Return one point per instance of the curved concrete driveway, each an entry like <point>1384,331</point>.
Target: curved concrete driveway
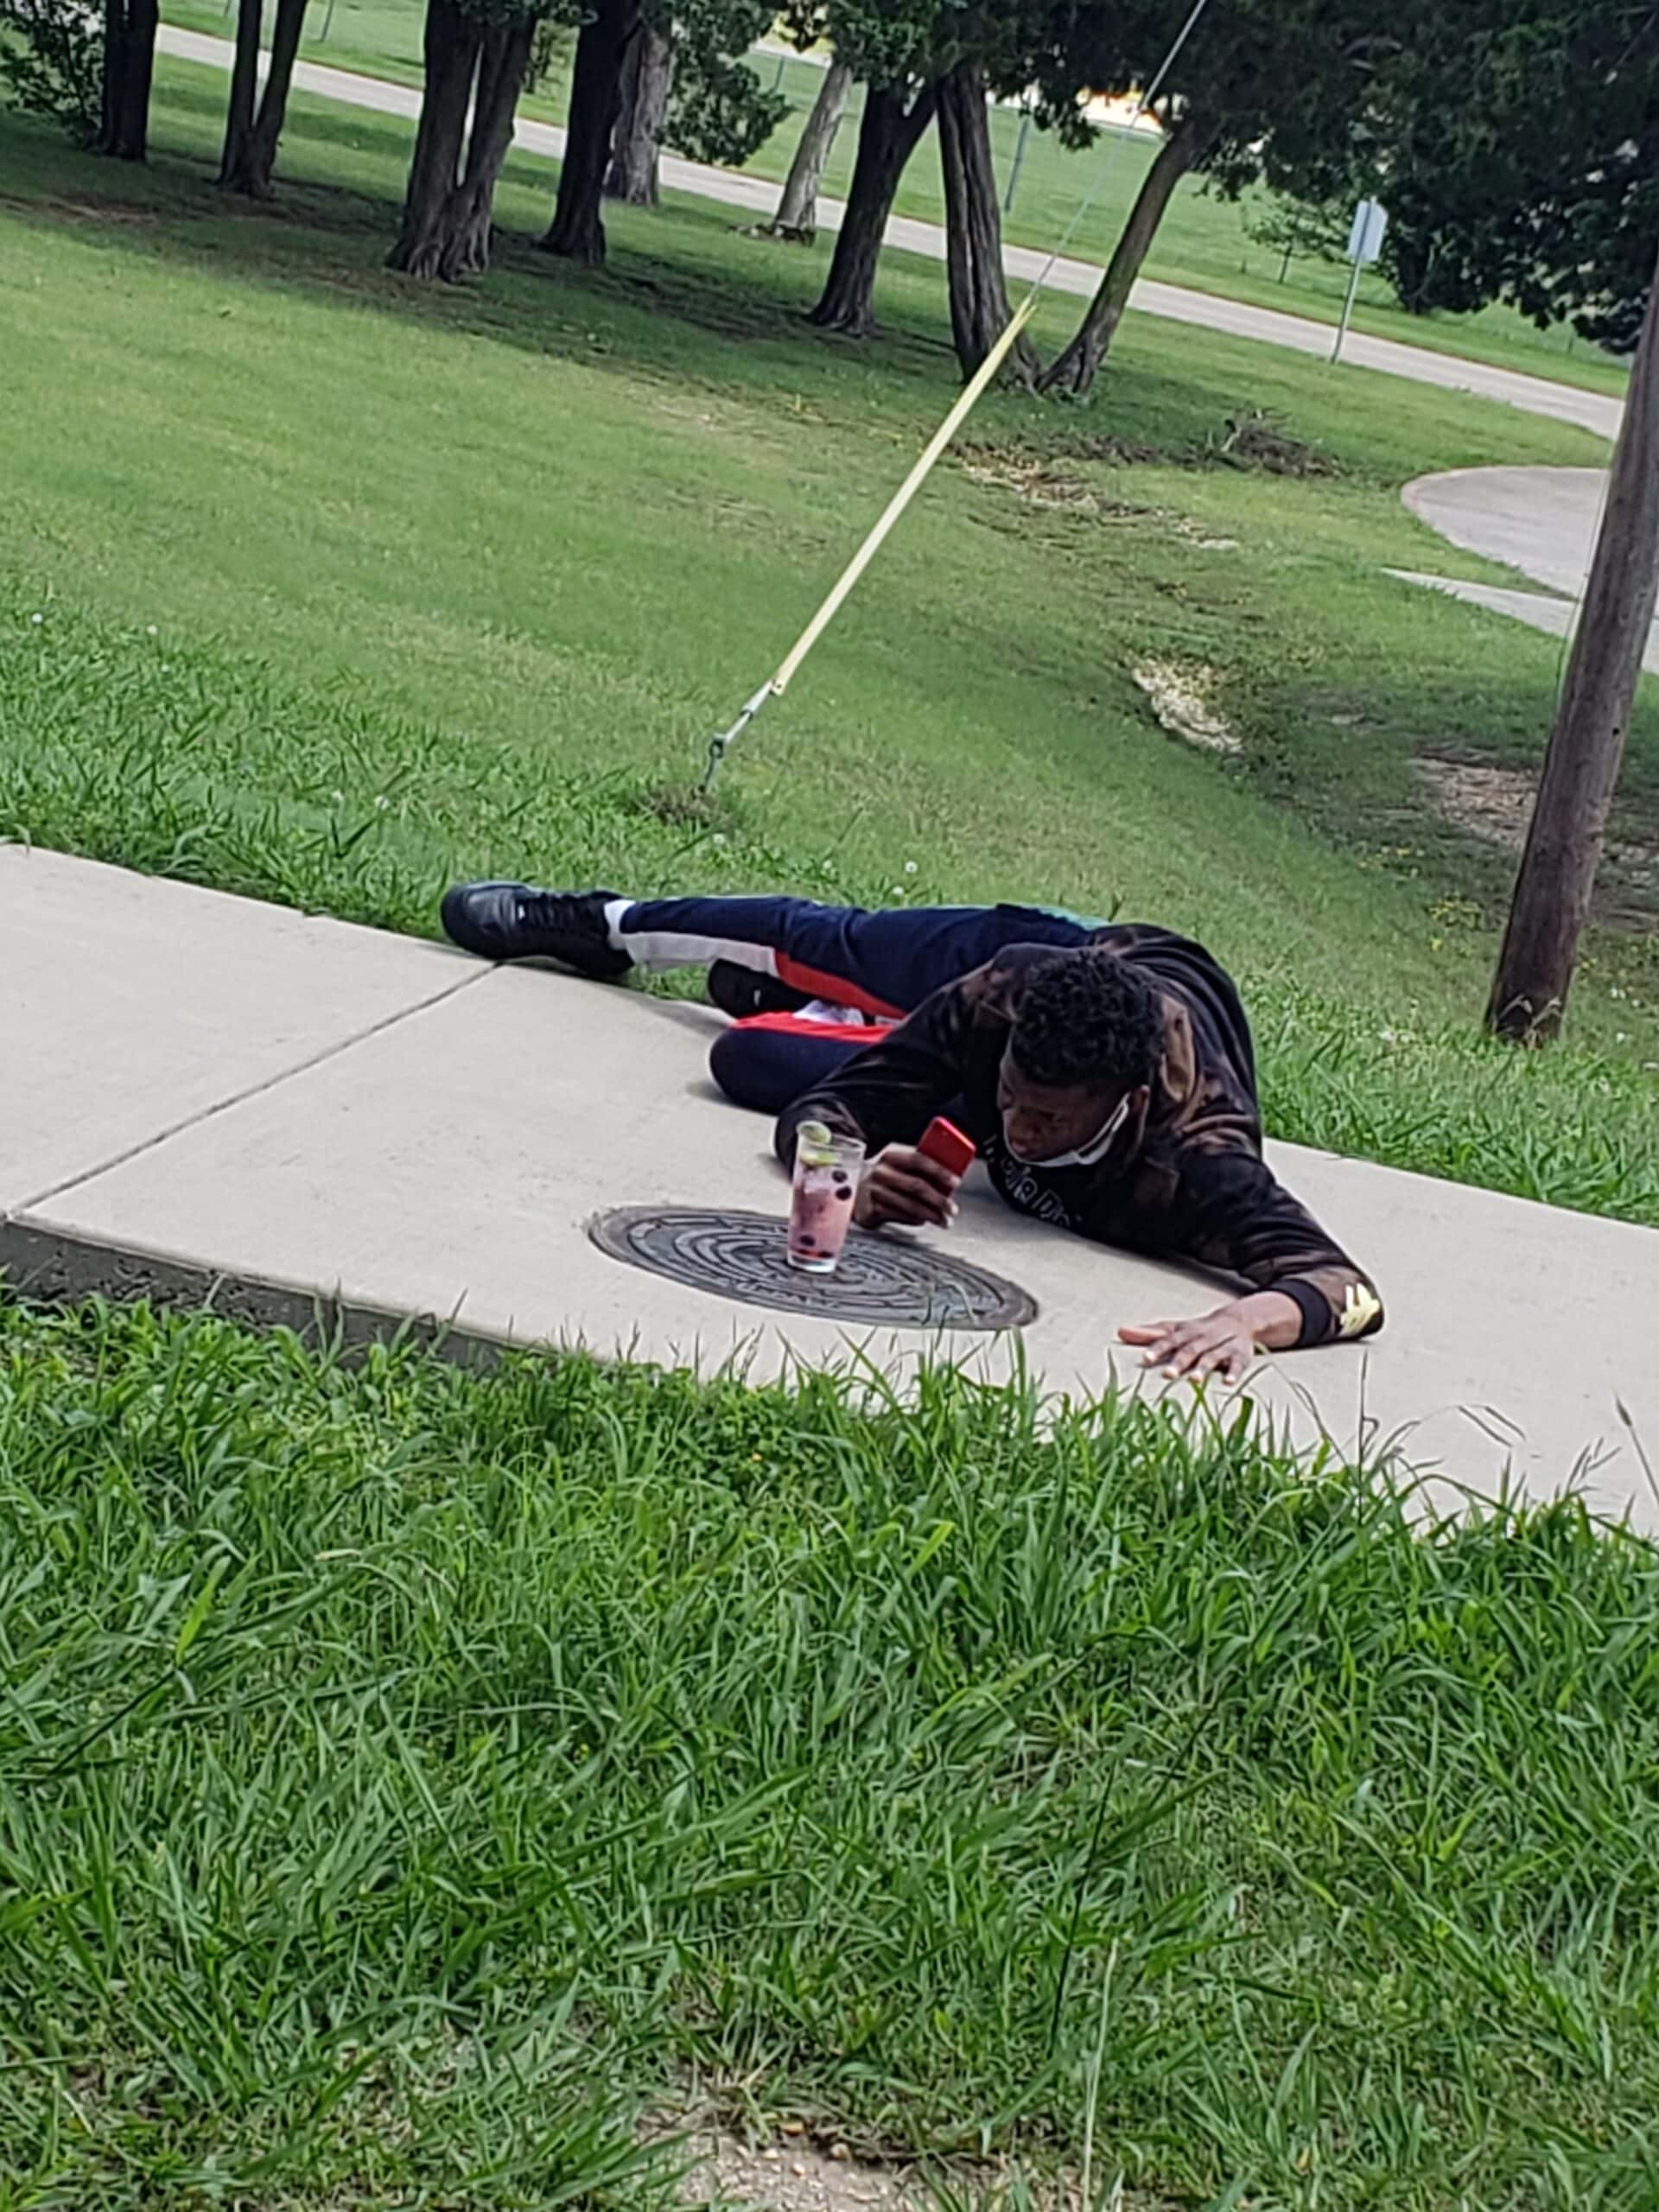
<point>1590,411</point>
<point>1542,521</point>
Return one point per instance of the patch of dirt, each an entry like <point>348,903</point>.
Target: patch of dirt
<point>797,2174</point>
<point>681,806</point>
<point>1496,804</point>
<point>84,211</point>
<point>1118,451</point>
<point>1018,454</point>
<point>1039,483</point>
<point>809,2171</point>
<point>1179,697</point>
<point>1195,534</point>
<point>1256,439</point>
<point>1042,486</point>
<point>684,409</point>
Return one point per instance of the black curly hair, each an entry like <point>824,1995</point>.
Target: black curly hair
<point>1086,1016</point>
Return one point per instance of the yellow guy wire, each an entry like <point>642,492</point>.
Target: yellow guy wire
<point>967,400</point>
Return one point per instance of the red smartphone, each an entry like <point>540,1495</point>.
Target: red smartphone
<point>944,1141</point>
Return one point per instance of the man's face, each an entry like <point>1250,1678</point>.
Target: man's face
<point>1047,1122</point>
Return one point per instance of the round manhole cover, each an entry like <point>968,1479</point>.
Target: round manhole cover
<point>881,1281</point>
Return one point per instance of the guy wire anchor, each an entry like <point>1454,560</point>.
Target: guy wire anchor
<point>717,745</point>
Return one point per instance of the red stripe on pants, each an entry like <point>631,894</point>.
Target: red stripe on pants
<point>836,989</point>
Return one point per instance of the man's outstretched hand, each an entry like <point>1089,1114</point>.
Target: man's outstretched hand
<point>906,1188</point>
<point>1222,1342</point>
<point>1217,1343</point>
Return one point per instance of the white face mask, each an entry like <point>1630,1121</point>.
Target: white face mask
<point>1088,1155</point>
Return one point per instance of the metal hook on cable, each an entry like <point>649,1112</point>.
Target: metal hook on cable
<point>718,746</point>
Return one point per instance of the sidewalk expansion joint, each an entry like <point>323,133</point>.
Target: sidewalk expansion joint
<point>160,1137</point>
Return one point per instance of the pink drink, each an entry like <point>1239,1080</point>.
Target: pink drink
<point>820,1205</point>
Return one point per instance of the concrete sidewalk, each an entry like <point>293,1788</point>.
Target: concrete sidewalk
<point>758,200</point>
<point>203,1089</point>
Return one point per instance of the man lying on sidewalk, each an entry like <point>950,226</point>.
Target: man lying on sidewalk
<point>1105,1073</point>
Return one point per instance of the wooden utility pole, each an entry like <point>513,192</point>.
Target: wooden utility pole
<point>1575,792</point>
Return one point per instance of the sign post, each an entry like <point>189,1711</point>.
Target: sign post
<point>1364,244</point>
<point>1019,157</point>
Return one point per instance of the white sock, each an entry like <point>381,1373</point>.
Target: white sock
<point>616,912</point>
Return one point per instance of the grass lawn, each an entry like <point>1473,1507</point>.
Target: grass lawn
<point>350,586</point>
<point>423,1788</point>
<point>1203,241</point>
<point>407,1779</point>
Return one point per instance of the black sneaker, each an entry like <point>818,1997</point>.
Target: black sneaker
<point>512,921</point>
<point>742,992</point>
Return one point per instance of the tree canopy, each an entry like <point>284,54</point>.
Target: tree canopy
<point>719,111</point>
<point>1519,161</point>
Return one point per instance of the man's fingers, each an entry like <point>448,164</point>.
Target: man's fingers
<point>917,1199</point>
<point>904,1197</point>
<point>1195,1348</point>
<point>904,1189</point>
<point>1230,1359</point>
<point>935,1172</point>
<point>1163,1340</point>
<point>1186,1357</point>
<point>920,1166</point>
<point>1146,1332</point>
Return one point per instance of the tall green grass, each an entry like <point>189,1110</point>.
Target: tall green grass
<point>407,1777</point>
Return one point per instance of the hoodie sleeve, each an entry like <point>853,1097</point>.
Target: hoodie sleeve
<point>889,1093</point>
<point>1232,1213</point>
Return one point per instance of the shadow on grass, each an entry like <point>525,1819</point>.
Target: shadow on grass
<point>320,236</point>
<point>685,296</point>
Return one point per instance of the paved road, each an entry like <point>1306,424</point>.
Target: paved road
<point>205,1089</point>
<point>756,197</point>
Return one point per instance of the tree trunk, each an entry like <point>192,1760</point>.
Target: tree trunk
<point>451,196</point>
<point>979,294</point>
<point>266,135</point>
<point>450,48</point>
<point>502,62</point>
<point>1575,792</point>
<point>888,136</point>
<point>1181,152</point>
<point>647,80</point>
<point>797,218</point>
<point>577,231</point>
<point>129,62</point>
<point>244,80</point>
